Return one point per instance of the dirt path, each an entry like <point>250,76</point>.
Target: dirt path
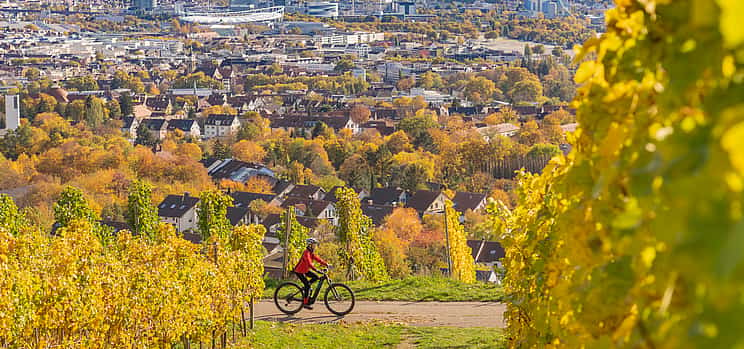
<point>454,314</point>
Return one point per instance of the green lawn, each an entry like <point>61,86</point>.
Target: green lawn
<point>446,337</point>
<point>416,288</point>
<point>371,335</point>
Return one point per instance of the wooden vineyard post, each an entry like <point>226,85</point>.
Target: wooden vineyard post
<point>242,321</point>
<point>251,314</point>
<point>287,229</point>
<point>446,238</point>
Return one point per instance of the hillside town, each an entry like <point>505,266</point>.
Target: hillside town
<point>278,105</point>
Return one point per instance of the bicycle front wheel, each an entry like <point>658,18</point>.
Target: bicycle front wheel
<point>339,299</point>
<point>288,298</point>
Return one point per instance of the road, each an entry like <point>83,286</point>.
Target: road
<point>453,314</point>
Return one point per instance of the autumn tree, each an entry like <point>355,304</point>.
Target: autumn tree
<point>72,205</point>
<point>144,136</point>
<point>393,253</point>
<point>406,84</point>
<point>430,80</point>
<point>95,111</point>
<point>526,91</point>
<point>417,127</point>
<point>360,113</point>
<point>529,133</point>
<point>248,151</point>
<point>126,105</point>
<point>11,217</point>
<point>480,90</point>
<point>405,223</point>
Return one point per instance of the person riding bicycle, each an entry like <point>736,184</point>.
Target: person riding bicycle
<point>303,270</point>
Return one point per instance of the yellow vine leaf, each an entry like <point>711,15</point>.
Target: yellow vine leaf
<point>731,12</point>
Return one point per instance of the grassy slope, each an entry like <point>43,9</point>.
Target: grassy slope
<point>417,288</point>
<point>373,335</point>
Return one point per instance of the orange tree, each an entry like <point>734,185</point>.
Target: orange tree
<point>634,238</point>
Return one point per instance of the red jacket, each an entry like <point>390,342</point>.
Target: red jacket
<point>306,262</point>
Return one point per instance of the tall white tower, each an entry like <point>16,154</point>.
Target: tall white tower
<point>12,112</point>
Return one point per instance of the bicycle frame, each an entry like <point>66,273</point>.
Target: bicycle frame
<point>321,280</point>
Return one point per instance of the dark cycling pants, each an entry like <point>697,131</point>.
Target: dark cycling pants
<point>307,280</point>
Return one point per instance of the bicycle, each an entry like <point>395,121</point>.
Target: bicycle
<point>338,298</point>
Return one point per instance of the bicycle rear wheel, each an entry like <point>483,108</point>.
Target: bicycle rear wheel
<point>339,299</point>
<point>288,298</point>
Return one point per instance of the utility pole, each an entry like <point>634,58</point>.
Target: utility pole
<point>446,238</point>
<point>287,228</point>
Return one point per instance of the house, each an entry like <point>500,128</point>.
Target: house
<point>331,195</point>
<point>318,209</point>
<point>388,196</point>
<point>242,199</point>
<point>488,253</point>
<point>313,192</point>
<point>129,127</point>
<point>282,188</point>
<point>464,201</point>
<point>427,202</point>
<point>377,213</point>
<point>304,124</point>
<point>158,127</point>
<point>239,216</point>
<point>189,127</point>
<point>117,226</point>
<point>236,170</point>
<point>221,125</point>
<point>179,211</point>
<point>505,129</point>
<point>160,103</point>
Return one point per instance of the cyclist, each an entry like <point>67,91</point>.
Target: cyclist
<point>303,270</point>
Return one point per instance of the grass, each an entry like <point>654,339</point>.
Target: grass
<point>279,335</point>
<point>370,335</point>
<point>416,288</point>
<point>446,337</point>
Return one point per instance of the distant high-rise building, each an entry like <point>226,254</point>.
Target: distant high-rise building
<point>551,9</point>
<point>407,7</point>
<point>12,112</point>
<point>145,4</point>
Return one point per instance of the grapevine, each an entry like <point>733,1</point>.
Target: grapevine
<point>297,237</point>
<point>463,264</point>
<point>354,232</point>
<point>634,238</point>
<point>73,291</point>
